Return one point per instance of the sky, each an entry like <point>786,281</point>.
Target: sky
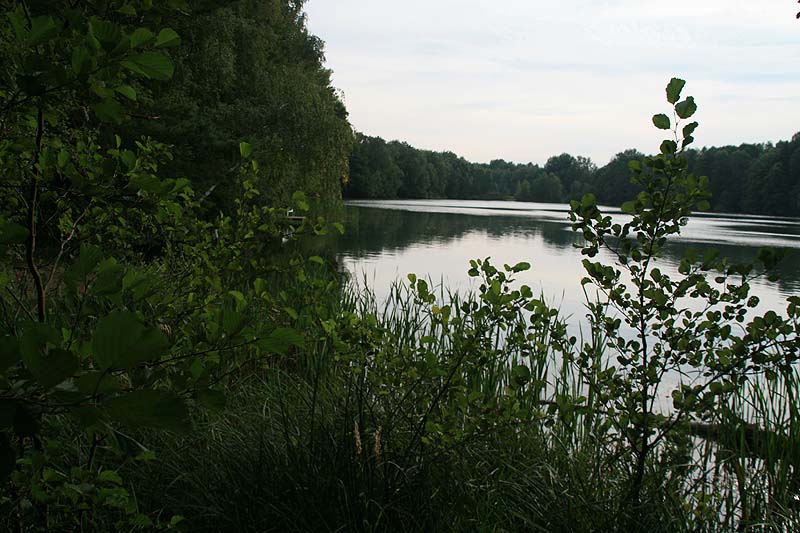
<point>523,80</point>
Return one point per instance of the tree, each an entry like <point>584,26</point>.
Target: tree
<point>250,71</point>
<point>547,188</point>
<point>117,302</point>
<point>688,325</point>
<point>571,169</point>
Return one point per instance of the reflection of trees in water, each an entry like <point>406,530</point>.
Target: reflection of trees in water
<point>374,230</point>
<point>371,230</point>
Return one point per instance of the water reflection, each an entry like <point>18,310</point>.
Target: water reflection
<point>386,240</point>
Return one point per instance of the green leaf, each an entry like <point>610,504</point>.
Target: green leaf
<point>520,375</point>
<point>233,321</point>
<point>167,37</point>
<point>141,37</point>
<point>109,111</point>
<point>36,341</point>
<point>42,29</point>
<point>17,19</point>
<point>674,89</point>
<point>9,352</point>
<point>57,366</point>
<point>152,65</point>
<point>628,208</point>
<point>146,182</point>
<point>260,286</point>
<point>109,476</point>
<point>339,227</point>
<point>299,200</point>
<point>91,41</point>
<point>89,257</point>
<point>49,364</point>
<point>149,408</point>
<point>686,108</point>
<point>129,158</point>
<point>669,147</point>
<point>121,341</point>
<point>108,33</point>
<point>245,149</point>
<point>12,233</point>
<point>127,91</point>
<point>63,158</point>
<point>662,122</point>
<point>81,60</point>
<point>521,267</point>
<point>238,297</point>
<point>96,382</point>
<point>109,278</point>
<point>128,10</point>
<point>316,259</point>
<point>280,340</point>
<point>688,130</point>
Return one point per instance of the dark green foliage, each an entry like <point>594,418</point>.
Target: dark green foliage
<point>750,178</point>
<point>702,329</point>
<point>396,170</point>
<point>373,170</point>
<point>249,70</point>
<point>124,305</point>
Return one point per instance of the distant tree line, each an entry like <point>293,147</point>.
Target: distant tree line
<point>750,178</point>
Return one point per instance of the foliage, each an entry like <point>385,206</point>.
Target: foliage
<point>120,307</point>
<point>250,71</point>
<point>440,411</point>
<point>750,178</point>
<point>354,434</point>
<point>654,326</point>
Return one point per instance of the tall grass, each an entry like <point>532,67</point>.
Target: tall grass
<point>401,419</point>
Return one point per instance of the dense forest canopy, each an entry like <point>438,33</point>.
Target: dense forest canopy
<point>750,178</point>
<point>249,70</point>
<point>245,70</point>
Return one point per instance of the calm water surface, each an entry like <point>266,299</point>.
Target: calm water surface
<point>386,240</point>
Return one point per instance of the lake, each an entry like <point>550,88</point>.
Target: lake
<point>386,240</point>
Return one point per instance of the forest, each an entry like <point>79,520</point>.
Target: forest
<point>180,351</point>
<point>750,178</point>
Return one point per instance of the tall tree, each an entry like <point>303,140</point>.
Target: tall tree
<point>250,71</point>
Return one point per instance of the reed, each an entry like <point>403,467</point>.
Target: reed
<point>409,417</point>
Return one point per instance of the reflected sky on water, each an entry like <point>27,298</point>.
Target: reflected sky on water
<point>386,240</point>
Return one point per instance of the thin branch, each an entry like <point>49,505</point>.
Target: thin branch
<point>204,352</point>
<point>21,304</point>
<point>64,246</point>
<point>30,248</point>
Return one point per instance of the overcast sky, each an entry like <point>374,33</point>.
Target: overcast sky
<point>523,80</point>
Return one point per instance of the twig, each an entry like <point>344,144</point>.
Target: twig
<point>21,305</point>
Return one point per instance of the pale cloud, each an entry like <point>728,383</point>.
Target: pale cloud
<point>526,79</point>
